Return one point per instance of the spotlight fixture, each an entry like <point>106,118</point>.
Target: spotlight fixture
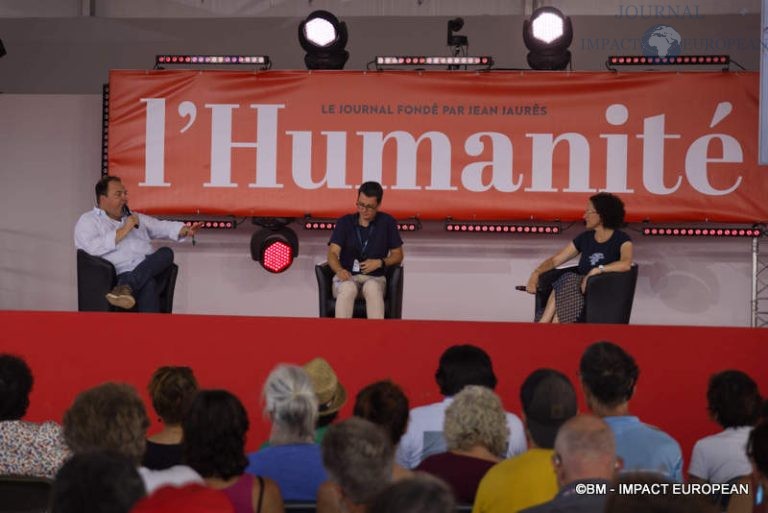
<point>262,61</point>
<point>454,41</point>
<point>547,35</point>
<point>324,38</point>
<point>420,61</point>
<point>722,61</point>
<point>274,246</point>
<point>699,231</point>
<point>502,227</point>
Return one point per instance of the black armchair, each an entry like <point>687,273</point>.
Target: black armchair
<point>393,295</point>
<point>607,299</point>
<point>24,494</point>
<point>96,276</point>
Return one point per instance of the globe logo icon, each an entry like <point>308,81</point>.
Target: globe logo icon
<point>661,41</point>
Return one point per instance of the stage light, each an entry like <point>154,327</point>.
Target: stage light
<point>261,61</point>
<point>211,224</point>
<point>547,35</point>
<point>324,38</point>
<point>421,61</point>
<point>319,224</point>
<point>504,227</point>
<point>409,225</point>
<point>275,249</point>
<point>403,225</point>
<point>275,246</point>
<point>703,231</point>
<point>721,61</point>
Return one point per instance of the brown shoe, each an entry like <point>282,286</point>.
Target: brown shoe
<point>122,297</point>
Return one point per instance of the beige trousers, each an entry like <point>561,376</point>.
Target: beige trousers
<point>361,285</point>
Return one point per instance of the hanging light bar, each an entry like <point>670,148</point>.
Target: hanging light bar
<point>699,231</point>
<point>723,61</point>
<point>387,61</point>
<point>203,60</point>
<point>208,224</point>
<point>502,227</point>
<point>403,225</point>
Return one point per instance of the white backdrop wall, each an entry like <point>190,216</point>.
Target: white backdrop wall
<point>49,161</point>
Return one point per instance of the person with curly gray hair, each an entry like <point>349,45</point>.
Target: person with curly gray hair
<point>476,432</point>
<point>292,458</point>
<point>111,416</point>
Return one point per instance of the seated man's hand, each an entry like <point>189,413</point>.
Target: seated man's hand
<point>190,231</point>
<point>344,275</point>
<point>370,265</point>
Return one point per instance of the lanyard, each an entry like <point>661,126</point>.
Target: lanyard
<point>364,245</point>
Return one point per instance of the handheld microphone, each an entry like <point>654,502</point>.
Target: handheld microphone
<point>129,213</point>
<point>521,288</point>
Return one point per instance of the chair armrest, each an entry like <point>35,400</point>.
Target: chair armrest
<point>95,277</point>
<point>608,297</point>
<point>394,294</point>
<point>324,275</point>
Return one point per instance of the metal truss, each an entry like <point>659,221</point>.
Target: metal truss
<point>760,281</point>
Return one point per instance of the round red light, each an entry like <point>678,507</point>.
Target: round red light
<point>277,256</point>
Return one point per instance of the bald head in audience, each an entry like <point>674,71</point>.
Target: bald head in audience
<point>585,449</point>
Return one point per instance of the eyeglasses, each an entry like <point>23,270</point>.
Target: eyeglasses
<point>363,206</point>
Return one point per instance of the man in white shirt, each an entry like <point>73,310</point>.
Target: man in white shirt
<point>111,231</point>
<point>459,366</point>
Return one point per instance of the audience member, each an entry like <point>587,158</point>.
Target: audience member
<point>331,395</point>
<point>111,416</point>
<point>171,389</point>
<point>111,231</point>
<point>385,404</point>
<point>733,402</point>
<point>548,400</point>
<point>191,498</point>
<point>293,459</point>
<point>362,246</point>
<point>756,501</point>
<point>97,482</point>
<point>663,502</point>
<point>358,457</point>
<point>214,445</point>
<point>476,431</point>
<point>459,366</point>
<point>26,448</point>
<point>608,378</point>
<point>421,493</point>
<point>585,454</point>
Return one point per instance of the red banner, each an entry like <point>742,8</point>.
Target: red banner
<point>498,145</point>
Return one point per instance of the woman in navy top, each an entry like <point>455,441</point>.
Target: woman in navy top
<point>603,248</point>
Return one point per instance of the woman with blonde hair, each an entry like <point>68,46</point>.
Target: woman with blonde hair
<point>475,429</point>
